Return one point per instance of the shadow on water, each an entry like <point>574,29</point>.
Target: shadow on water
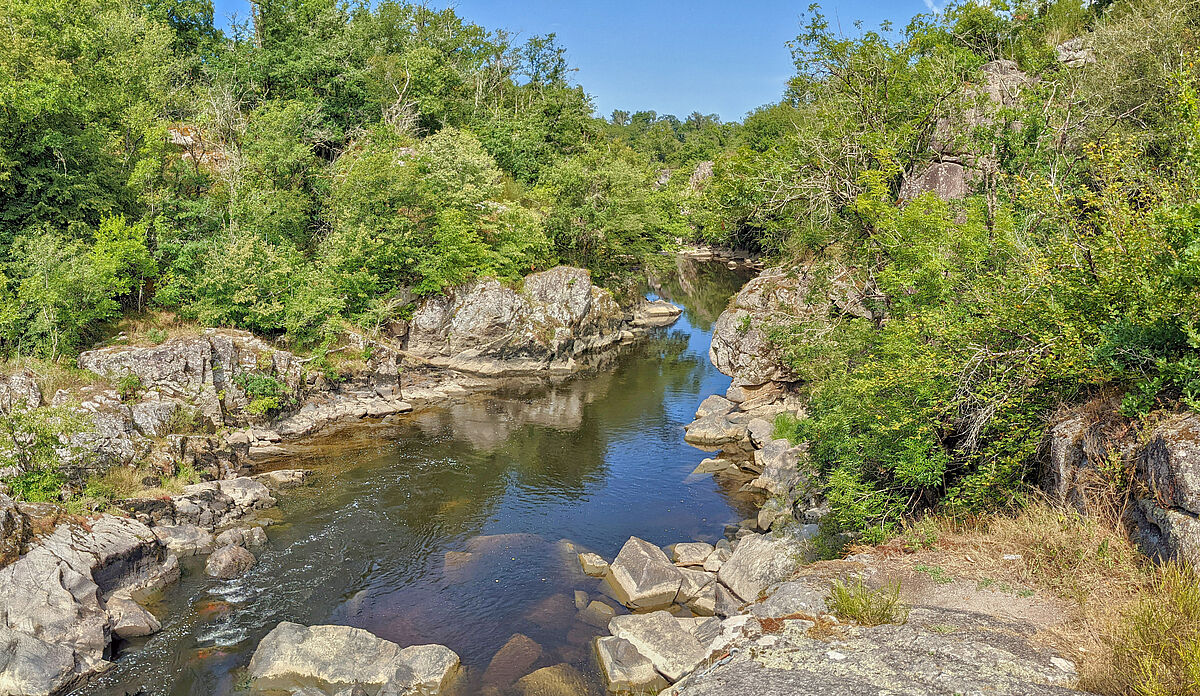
<point>460,525</point>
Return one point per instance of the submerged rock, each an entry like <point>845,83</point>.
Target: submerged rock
<point>559,680</point>
<point>229,562</point>
<point>512,661</point>
<point>292,657</point>
<point>642,577</point>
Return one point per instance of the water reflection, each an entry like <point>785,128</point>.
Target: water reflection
<point>460,525</point>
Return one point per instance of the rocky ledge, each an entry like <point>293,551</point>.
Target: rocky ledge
<point>750,617</point>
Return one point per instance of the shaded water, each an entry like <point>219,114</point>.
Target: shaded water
<point>460,525</point>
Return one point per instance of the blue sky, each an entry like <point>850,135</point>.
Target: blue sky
<point>669,56</point>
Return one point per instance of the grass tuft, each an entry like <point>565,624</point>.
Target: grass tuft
<point>855,601</point>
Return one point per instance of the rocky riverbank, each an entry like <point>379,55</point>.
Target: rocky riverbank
<point>84,581</point>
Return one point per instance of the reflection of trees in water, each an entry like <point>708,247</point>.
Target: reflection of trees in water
<point>703,288</point>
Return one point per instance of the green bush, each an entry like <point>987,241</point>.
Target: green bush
<point>38,485</point>
<point>129,386</point>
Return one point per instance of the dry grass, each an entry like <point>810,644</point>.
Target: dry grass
<point>52,376</point>
<point>1133,627</point>
<point>149,328</point>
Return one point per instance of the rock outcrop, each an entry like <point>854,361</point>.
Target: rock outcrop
<point>61,603</point>
<point>741,344</point>
<point>297,659</point>
<point>553,324</point>
<point>1165,467</point>
<point>957,163</point>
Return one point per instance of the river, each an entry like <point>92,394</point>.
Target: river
<point>459,525</point>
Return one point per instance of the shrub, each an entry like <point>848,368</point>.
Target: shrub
<point>855,601</point>
<point>128,386</point>
<point>38,485</point>
<point>265,393</point>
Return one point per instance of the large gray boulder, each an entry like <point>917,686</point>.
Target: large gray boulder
<point>555,318</point>
<point>292,657</point>
<point>642,577</point>
<point>30,666</point>
<point>663,640</point>
<point>758,562</point>
<point>779,462</point>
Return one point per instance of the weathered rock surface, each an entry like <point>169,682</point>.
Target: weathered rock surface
<point>229,562</point>
<point>625,669</point>
<point>184,539</point>
<point>758,562</point>
<point>292,657</point>
<point>207,505</point>
<point>690,553</point>
<point>53,600</point>
<point>485,328</point>
<point>14,530</point>
<point>248,537</point>
<point>642,577</point>
<point>661,638</point>
<point>977,656</point>
<point>779,463</point>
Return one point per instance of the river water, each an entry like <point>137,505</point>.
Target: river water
<point>459,525</point>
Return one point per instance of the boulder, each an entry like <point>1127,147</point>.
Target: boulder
<point>655,314</point>
<point>512,661</point>
<point>1075,53</point>
<point>248,537</point>
<point>714,406</point>
<point>1170,464</point>
<point>229,562</point>
<point>185,539</point>
<point>597,614</point>
<point>759,562</point>
<point>642,577</point>
<point>717,432</point>
<point>593,564</point>
<point>292,656</point>
<point>129,619</point>
<point>741,345</point>
<point>690,553</point>
<point>283,479</point>
<point>779,463</point>
<point>625,669</point>
<point>559,680</point>
<point>716,559</point>
<point>694,582</point>
<point>673,650</point>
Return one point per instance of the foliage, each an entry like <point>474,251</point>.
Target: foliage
<point>129,386</point>
<point>266,393</point>
<point>43,484</point>
<point>855,601</point>
<point>33,441</point>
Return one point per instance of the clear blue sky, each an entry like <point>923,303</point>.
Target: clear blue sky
<point>710,56</point>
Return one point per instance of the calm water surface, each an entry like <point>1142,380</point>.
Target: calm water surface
<point>460,525</point>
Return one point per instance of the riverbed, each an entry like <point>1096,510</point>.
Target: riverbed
<point>460,524</point>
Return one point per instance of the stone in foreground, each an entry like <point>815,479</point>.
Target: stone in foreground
<point>559,680</point>
<point>512,661</point>
<point>690,553</point>
<point>642,577</point>
<point>292,657</point>
<point>660,638</point>
<point>625,669</point>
